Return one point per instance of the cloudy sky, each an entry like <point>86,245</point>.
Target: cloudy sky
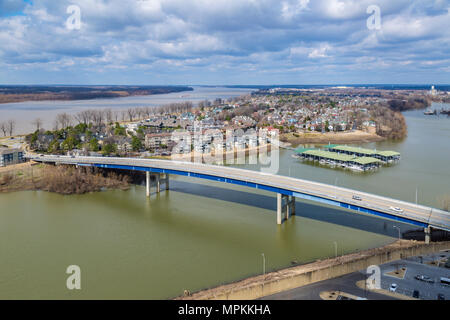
<point>224,42</point>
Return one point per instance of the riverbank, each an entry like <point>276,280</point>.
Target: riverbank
<point>350,137</point>
<point>15,94</point>
<point>282,280</point>
<point>236,154</point>
<point>59,179</point>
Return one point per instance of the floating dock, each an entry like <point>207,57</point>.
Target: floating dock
<point>353,158</point>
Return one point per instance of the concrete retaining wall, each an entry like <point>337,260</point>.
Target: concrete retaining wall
<point>336,267</point>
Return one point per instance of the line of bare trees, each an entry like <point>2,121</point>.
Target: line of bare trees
<point>107,116</point>
<point>7,127</point>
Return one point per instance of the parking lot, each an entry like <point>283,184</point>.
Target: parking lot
<point>419,266</point>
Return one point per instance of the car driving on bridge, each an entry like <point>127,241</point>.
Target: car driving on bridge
<point>396,209</point>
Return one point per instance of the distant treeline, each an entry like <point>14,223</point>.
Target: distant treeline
<point>39,93</point>
<point>409,104</point>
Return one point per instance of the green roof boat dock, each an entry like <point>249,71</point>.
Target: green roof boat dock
<point>354,158</point>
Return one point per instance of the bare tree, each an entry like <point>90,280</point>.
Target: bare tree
<point>116,115</point>
<point>139,112</point>
<point>97,117</point>
<point>84,116</point>
<point>131,113</point>
<point>109,115</point>
<point>3,128</point>
<point>147,112</point>
<point>10,125</point>
<point>37,123</point>
<point>124,115</point>
<point>64,120</point>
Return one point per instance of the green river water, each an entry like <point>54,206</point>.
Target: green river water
<point>201,234</point>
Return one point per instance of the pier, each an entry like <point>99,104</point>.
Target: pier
<point>354,158</point>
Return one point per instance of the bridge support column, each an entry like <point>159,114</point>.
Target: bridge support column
<point>158,183</point>
<point>288,208</point>
<point>279,207</point>
<point>292,205</point>
<point>282,207</point>
<point>167,181</point>
<point>147,183</point>
<point>427,231</point>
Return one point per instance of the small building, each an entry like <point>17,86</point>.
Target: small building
<point>11,156</point>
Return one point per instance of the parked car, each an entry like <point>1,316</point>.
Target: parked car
<point>357,198</point>
<point>440,296</point>
<point>396,209</point>
<point>416,294</point>
<point>424,278</point>
<point>393,287</point>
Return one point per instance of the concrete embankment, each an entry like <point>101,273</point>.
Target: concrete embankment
<point>275,282</point>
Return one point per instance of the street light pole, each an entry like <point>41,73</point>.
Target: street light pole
<point>417,190</point>
<point>264,264</point>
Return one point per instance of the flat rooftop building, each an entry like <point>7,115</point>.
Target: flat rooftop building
<point>10,156</point>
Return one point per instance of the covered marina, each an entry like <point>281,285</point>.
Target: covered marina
<point>384,156</point>
<point>353,158</point>
<point>334,159</point>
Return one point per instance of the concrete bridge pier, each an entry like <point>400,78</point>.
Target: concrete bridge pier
<point>158,182</point>
<point>166,180</point>
<point>291,204</point>
<point>287,206</point>
<point>147,183</point>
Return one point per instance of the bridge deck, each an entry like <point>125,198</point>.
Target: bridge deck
<point>373,204</point>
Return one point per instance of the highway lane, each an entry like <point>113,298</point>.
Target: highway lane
<point>427,215</point>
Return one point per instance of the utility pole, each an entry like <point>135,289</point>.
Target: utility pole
<point>335,249</point>
<point>264,264</point>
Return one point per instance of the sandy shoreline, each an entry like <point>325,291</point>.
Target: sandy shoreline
<point>351,137</point>
<point>211,157</point>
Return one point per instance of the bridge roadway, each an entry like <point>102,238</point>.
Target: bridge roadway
<point>419,215</point>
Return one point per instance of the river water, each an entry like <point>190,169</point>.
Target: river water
<point>201,234</point>
<point>24,113</point>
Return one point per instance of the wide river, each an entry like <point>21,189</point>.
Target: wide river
<point>202,234</point>
<point>24,113</point>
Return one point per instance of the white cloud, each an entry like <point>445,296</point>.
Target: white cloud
<point>320,52</point>
<point>239,35</point>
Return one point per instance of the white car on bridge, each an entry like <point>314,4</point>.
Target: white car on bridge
<point>396,209</point>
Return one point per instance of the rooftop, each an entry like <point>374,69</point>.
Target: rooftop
<point>8,150</point>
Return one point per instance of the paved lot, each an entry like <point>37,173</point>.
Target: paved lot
<point>406,286</point>
<point>345,283</point>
